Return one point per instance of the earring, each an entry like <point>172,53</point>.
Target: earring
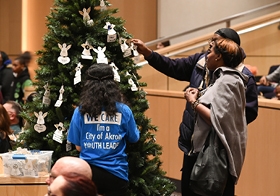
<point>216,59</point>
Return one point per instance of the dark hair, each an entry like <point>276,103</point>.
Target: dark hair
<point>26,56</point>
<point>166,43</point>
<point>100,91</point>
<point>21,60</point>
<point>230,51</point>
<point>18,109</point>
<point>5,57</point>
<point>78,185</point>
<point>4,123</point>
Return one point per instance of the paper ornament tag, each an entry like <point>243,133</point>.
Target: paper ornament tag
<point>112,34</point>
<point>127,53</point>
<point>111,38</point>
<point>68,146</point>
<point>133,85</point>
<point>105,60</point>
<point>60,97</point>
<point>78,74</point>
<point>40,127</point>
<point>47,93</point>
<point>63,58</point>
<point>58,136</point>
<point>86,52</point>
<point>77,79</point>
<point>101,58</point>
<point>116,74</point>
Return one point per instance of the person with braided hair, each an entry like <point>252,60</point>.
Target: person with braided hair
<point>100,127</point>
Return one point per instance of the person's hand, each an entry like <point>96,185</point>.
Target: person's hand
<point>264,81</point>
<point>191,95</point>
<point>141,47</point>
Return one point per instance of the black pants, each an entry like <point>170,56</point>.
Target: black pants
<point>188,164</point>
<point>108,184</point>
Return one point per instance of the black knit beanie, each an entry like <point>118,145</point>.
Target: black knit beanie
<point>230,34</point>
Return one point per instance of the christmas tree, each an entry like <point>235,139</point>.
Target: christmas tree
<point>81,33</point>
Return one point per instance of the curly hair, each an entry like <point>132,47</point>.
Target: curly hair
<point>231,52</point>
<point>100,91</point>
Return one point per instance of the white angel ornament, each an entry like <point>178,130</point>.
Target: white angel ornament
<point>47,93</point>
<point>63,58</point>
<point>86,17</point>
<point>122,42</point>
<point>102,5</point>
<point>101,58</point>
<point>40,126</point>
<point>78,73</point>
<point>116,74</point>
<point>57,136</point>
<point>86,52</point>
<point>60,97</point>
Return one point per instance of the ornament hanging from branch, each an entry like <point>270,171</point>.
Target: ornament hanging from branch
<point>102,5</point>
<point>60,97</point>
<point>135,53</point>
<point>40,126</point>
<point>124,47</point>
<point>78,74</point>
<point>112,34</point>
<point>85,13</point>
<point>131,82</point>
<point>122,42</point>
<point>63,58</point>
<point>47,93</point>
<point>86,52</point>
<point>58,136</point>
<point>115,70</point>
<point>101,58</point>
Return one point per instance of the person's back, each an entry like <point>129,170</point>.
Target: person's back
<point>100,127</point>
<point>6,76</point>
<point>21,80</point>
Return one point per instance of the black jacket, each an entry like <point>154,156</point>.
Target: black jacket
<point>17,91</point>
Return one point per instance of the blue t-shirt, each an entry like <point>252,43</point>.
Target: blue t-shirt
<point>103,139</point>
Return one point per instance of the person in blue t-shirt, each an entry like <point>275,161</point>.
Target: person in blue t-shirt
<point>99,129</point>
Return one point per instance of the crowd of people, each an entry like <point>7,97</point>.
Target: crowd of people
<point>14,78</point>
<point>220,86</point>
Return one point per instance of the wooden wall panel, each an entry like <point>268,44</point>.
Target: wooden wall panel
<point>140,17</point>
<point>10,26</point>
